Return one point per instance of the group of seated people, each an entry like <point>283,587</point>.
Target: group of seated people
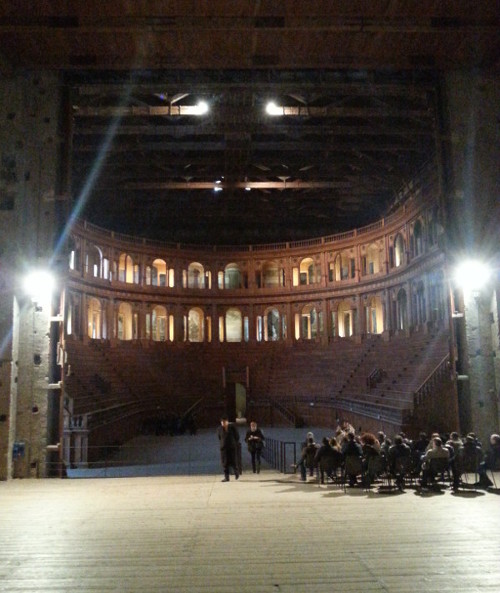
<point>371,456</point>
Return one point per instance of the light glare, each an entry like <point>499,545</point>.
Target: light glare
<point>273,109</point>
<point>202,108</point>
<point>472,275</point>
<point>39,285</point>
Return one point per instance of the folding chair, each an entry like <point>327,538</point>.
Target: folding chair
<point>399,472</point>
<point>353,466</point>
<point>438,467</point>
<point>467,464</point>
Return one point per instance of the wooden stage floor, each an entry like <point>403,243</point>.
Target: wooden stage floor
<point>263,533</point>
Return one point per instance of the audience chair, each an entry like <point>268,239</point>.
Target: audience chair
<point>331,469</point>
<point>400,469</point>
<point>439,472</point>
<point>468,464</point>
<point>353,466</point>
<point>492,470</point>
<point>377,467</point>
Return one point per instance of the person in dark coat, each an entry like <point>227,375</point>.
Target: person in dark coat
<point>306,462</point>
<point>228,442</point>
<point>255,443</point>
<point>399,458</point>
<point>352,448</point>
<point>328,460</point>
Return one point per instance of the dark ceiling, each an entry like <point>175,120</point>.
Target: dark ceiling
<point>357,89</point>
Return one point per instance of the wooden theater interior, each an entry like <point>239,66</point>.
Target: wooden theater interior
<point>257,209</point>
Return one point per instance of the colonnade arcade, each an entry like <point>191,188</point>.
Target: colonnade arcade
<point>384,278</point>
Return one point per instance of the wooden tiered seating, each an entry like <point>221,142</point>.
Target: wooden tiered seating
<point>127,379</point>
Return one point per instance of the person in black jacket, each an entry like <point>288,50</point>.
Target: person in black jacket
<point>327,459</point>
<point>255,442</point>
<point>228,442</point>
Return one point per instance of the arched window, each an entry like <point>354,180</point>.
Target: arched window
<point>125,325</point>
<point>419,304</point>
<point>272,327</point>
<point>344,266</point>
<point>74,254</point>
<point>196,328</point>
<point>402,314</point>
<point>345,319</point>
<point>196,275</point>
<point>437,304</point>
<point>418,247</point>
<point>159,273</point>
<point>310,323</point>
<point>232,276</point>
<point>370,263</point>
<point>94,319</point>
<point>234,327</point>
<point>374,316</point>
<point>307,272</point>
<point>159,324</point>
<point>93,261</point>
<point>399,250</point>
<point>433,226</point>
<point>125,269</point>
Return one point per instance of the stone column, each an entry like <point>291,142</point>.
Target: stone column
<point>469,153</point>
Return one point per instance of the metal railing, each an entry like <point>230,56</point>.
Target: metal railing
<point>280,455</point>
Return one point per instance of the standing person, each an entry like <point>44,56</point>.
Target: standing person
<point>228,442</point>
<point>255,442</point>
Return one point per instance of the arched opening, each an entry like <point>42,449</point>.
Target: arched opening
<point>418,247</point>
<point>232,276</point>
<point>402,313</point>
<point>196,275</point>
<point>344,266</point>
<point>370,262</point>
<point>159,273</point>
<point>93,261</point>
<point>345,320</point>
<point>374,316</point>
<point>307,272</point>
<point>310,323</point>
<point>234,328</point>
<point>399,250</point>
<point>196,328</point>
<point>125,269</point>
<point>419,306</point>
<point>125,322</point>
<point>159,324</point>
<point>94,319</point>
<point>272,327</point>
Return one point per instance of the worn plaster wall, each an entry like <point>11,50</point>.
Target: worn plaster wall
<point>29,156</point>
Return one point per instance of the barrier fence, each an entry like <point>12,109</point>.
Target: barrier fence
<point>280,455</point>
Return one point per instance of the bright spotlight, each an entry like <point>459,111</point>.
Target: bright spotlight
<point>472,274</point>
<point>273,109</point>
<point>39,285</point>
<point>202,108</point>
